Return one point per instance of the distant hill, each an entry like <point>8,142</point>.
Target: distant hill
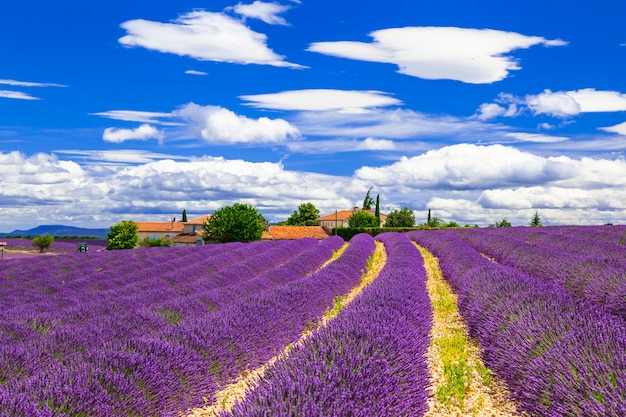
<point>60,230</point>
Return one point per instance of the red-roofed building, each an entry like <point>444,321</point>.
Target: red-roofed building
<point>159,230</point>
<point>340,218</point>
<point>192,233</point>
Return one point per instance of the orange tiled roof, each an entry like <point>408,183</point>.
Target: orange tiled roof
<point>160,226</point>
<point>185,238</point>
<point>199,220</point>
<point>294,232</point>
<point>344,215</point>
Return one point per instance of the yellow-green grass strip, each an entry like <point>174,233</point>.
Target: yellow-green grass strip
<point>461,385</point>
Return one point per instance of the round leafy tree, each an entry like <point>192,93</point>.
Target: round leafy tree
<point>306,215</point>
<point>123,235</point>
<point>362,218</point>
<point>401,218</point>
<point>43,242</point>
<point>237,223</point>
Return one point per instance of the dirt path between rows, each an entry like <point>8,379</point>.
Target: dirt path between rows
<point>477,393</point>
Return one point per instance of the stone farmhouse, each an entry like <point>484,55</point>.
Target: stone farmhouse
<point>340,218</point>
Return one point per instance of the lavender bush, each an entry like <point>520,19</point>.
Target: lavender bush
<point>596,273</point>
<point>368,361</point>
<point>127,332</point>
<point>558,354</point>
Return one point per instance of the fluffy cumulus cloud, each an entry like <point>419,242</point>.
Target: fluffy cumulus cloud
<point>143,132</point>
<point>555,103</point>
<point>204,36</point>
<point>267,12</point>
<point>466,183</point>
<point>476,56</point>
<point>219,125</point>
<point>348,101</point>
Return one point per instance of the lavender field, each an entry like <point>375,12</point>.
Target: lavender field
<point>157,332</point>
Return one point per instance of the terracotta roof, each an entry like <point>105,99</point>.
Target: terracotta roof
<point>294,232</point>
<point>185,238</point>
<point>344,215</point>
<point>160,227</point>
<point>199,220</point>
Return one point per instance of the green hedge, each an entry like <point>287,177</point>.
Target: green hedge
<point>348,232</point>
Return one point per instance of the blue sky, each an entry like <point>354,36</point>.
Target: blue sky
<point>114,110</point>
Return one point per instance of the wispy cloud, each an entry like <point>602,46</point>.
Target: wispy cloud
<point>29,84</point>
<point>476,56</point>
<point>206,36</point>
<point>267,12</point>
<point>349,101</point>
<point>140,117</point>
<point>620,129</point>
<point>17,95</point>
<point>195,72</point>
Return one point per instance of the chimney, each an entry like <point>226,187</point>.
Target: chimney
<point>173,221</point>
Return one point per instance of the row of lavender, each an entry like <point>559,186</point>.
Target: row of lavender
<point>559,355</point>
<point>588,269</point>
<point>154,345</point>
<point>369,361</point>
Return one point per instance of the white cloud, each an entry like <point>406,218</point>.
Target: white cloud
<point>139,117</point>
<point>204,36</point>
<point>194,72</point>
<point>143,132</point>
<point>476,56</point>
<point>466,183</point>
<point>216,124</point>
<point>560,103</point>
<point>392,124</point>
<point>29,84</point>
<point>350,101</point>
<point>488,111</point>
<point>375,144</point>
<point>535,137</point>
<point>464,167</point>
<point>350,145</point>
<point>267,12</point>
<point>620,129</point>
<point>17,95</point>
<point>119,156</point>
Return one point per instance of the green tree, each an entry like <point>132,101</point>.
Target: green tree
<point>306,215</point>
<point>361,218</point>
<point>535,220</point>
<point>503,223</point>
<point>237,223</point>
<point>368,201</point>
<point>377,211</point>
<point>43,242</point>
<point>150,242</point>
<point>123,235</point>
<point>184,215</point>
<point>401,218</point>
